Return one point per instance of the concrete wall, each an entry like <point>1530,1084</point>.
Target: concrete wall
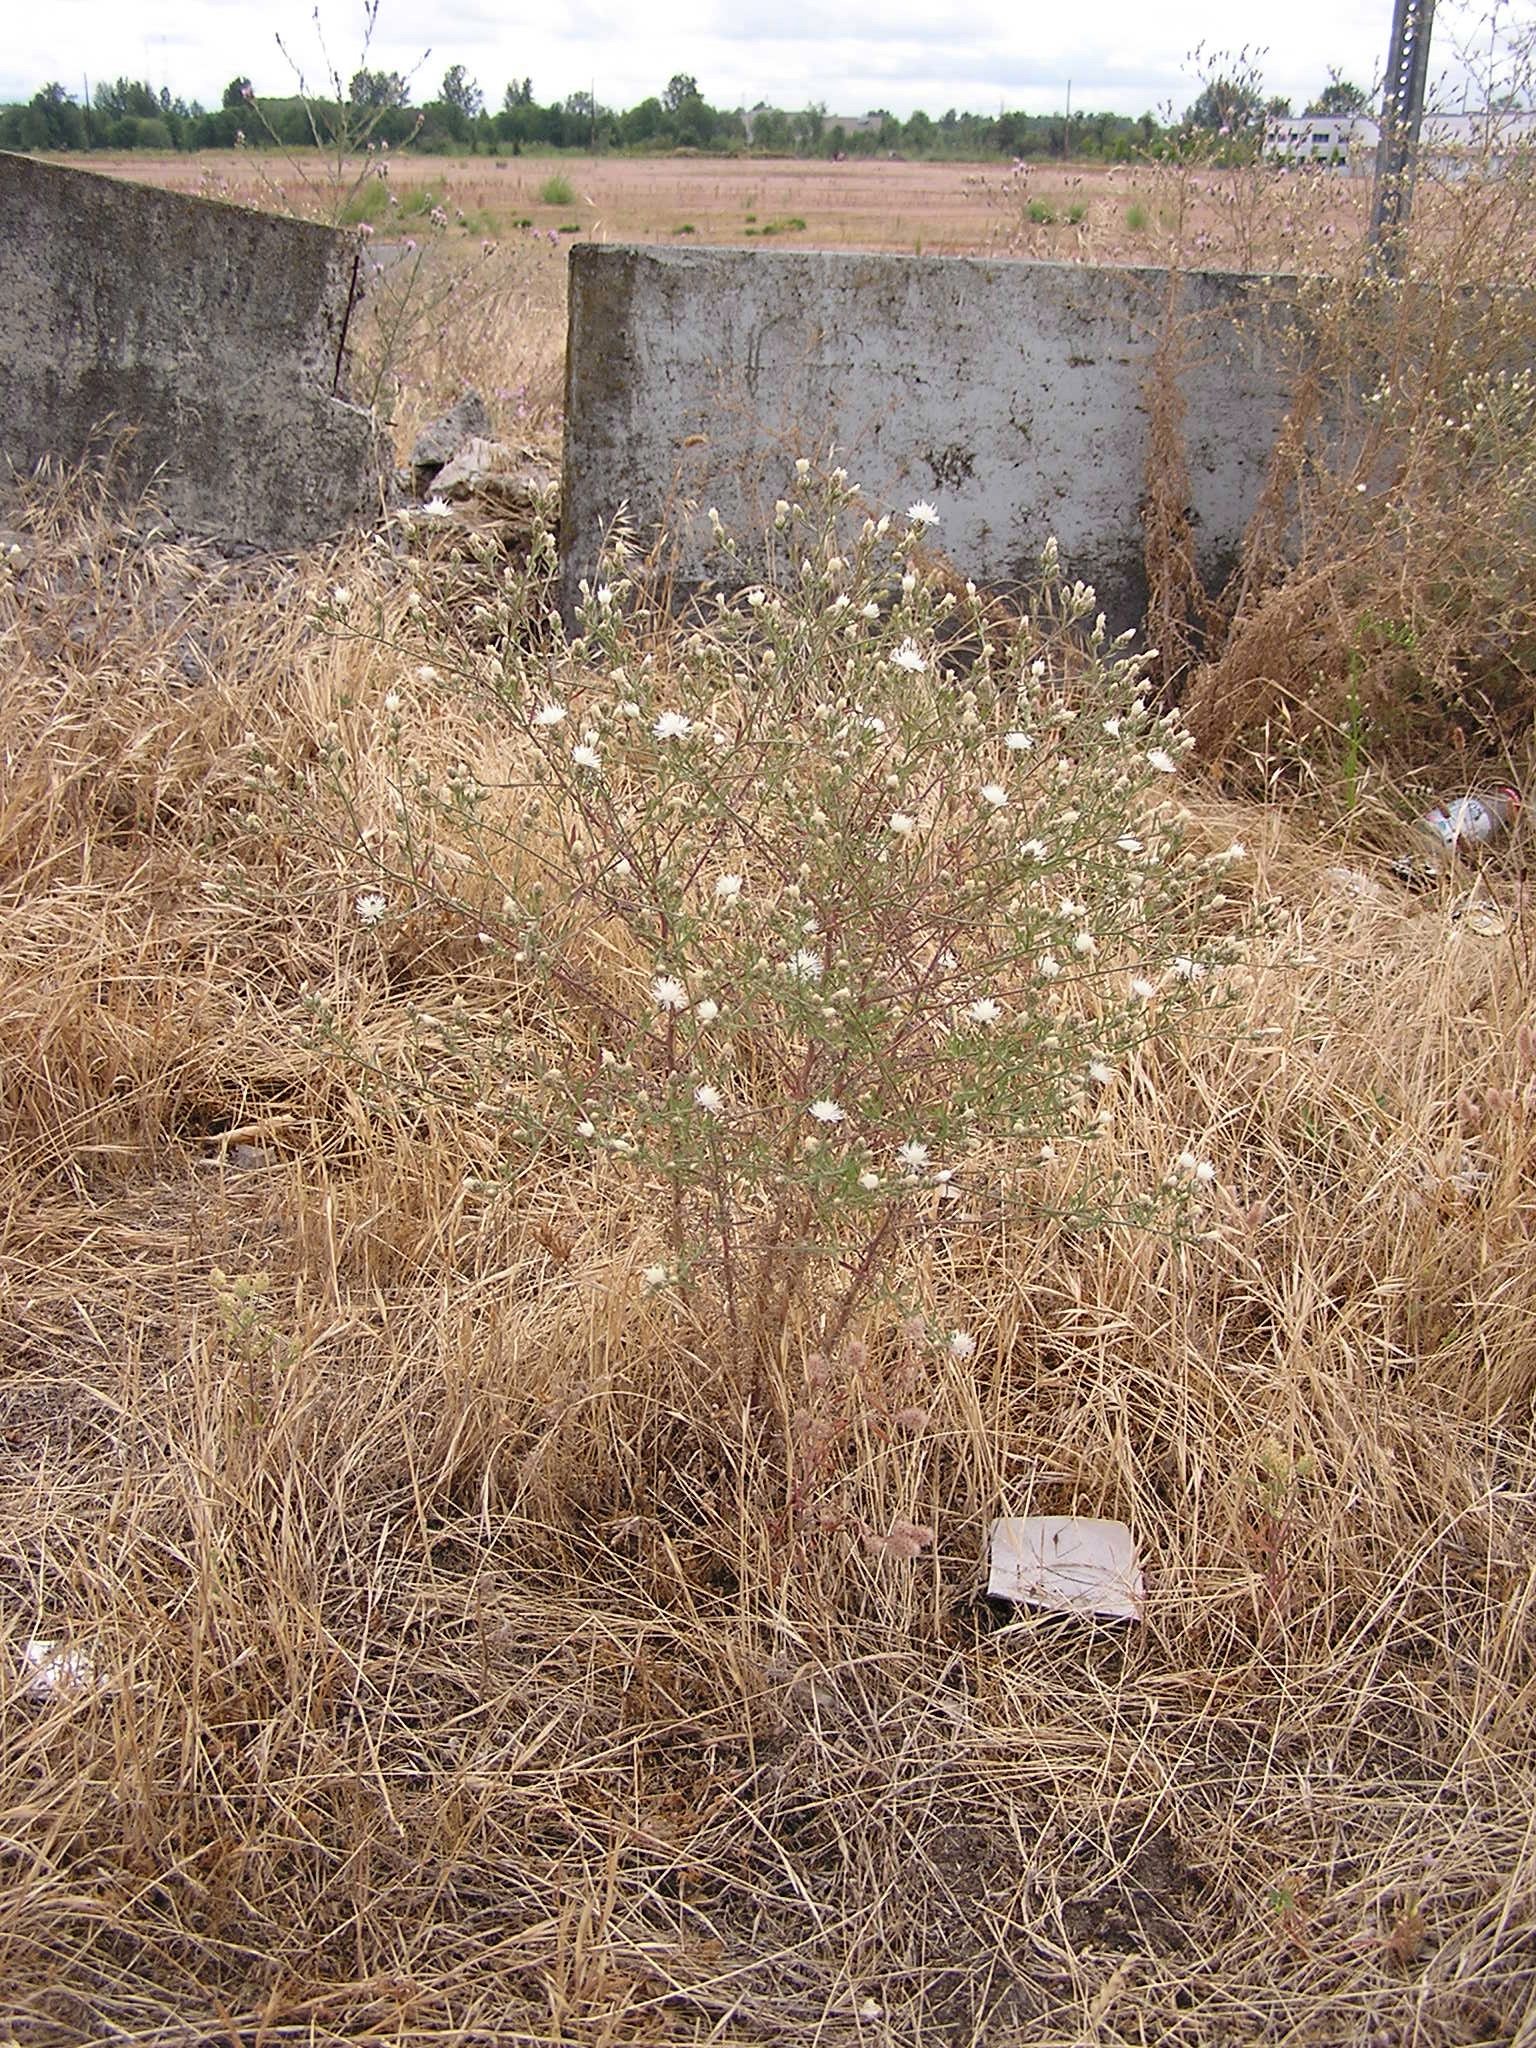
<point>211,329</point>
<point>1008,395</point>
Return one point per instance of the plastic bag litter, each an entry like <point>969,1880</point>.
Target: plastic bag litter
<point>1067,1565</point>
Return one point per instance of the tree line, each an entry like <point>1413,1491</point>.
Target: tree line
<point>377,109</point>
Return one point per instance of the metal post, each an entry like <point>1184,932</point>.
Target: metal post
<point>1402,111</point>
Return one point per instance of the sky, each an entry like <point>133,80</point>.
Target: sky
<point>1126,56</point>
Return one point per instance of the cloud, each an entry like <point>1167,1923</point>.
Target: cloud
<point>902,54</point>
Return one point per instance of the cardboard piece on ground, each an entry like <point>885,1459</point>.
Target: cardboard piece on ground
<point>1067,1565</point>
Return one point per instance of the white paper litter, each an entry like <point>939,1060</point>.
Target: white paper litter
<point>1068,1565</point>
<point>56,1668</point>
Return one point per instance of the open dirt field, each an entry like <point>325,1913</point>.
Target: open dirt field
<point>1087,213</point>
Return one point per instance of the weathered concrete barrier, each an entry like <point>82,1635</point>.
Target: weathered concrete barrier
<point>1012,396</point>
<point>217,334</point>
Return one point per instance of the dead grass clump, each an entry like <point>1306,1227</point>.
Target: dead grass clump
<point>445,1667</point>
<point>1384,609</point>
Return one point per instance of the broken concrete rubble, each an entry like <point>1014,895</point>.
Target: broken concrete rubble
<point>205,343</point>
<point>490,484</point>
<point>438,444</point>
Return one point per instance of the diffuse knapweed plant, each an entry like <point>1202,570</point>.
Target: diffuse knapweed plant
<point>848,912</point>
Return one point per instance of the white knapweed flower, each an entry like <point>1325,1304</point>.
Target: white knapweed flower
<point>1142,989</point>
<point>1046,1153</point>
<point>1085,943</point>
<point>869,1180</point>
<point>961,1344</point>
<point>668,993</point>
<point>1038,670</point>
<point>341,597</point>
<point>656,1276</point>
<point>805,965</point>
<point>826,1112</point>
<point>910,657</point>
<point>1035,849</point>
<point>1160,759</point>
<point>1100,1073</point>
<point>913,1155</point>
<point>707,1011</point>
<point>902,825</point>
<point>993,793</point>
<point>1185,1163</point>
<point>437,508</point>
<point>870,610</point>
<point>984,1011</point>
<point>708,1098</point>
<point>550,714</point>
<point>922,514</point>
<point>1048,967</point>
<point>1205,1173</point>
<point>586,757</point>
<point>757,598</point>
<point>370,906</point>
<point>1185,969</point>
<point>1236,851</point>
<point>1128,843</point>
<point>426,673</point>
<point>672,725</point>
<point>1068,909</point>
<point>727,888</point>
<point>392,702</point>
<point>1018,743</point>
<point>604,596</point>
<point>1112,727</point>
<point>876,726</point>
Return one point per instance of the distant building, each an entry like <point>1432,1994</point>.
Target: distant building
<point>1452,144</point>
<point>1449,144</point>
<point>1346,141</point>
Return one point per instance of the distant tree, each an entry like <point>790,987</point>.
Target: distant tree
<point>644,122</point>
<point>56,123</point>
<point>126,98</point>
<point>236,93</point>
<point>1339,96</point>
<point>771,129</point>
<point>1228,106</point>
<point>693,122</point>
<point>917,134</point>
<point>459,90</point>
<point>518,94</point>
<point>680,87</point>
<point>373,91</point>
<point>1278,108</point>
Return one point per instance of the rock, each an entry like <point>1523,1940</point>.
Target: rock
<point>495,473</point>
<point>441,442</point>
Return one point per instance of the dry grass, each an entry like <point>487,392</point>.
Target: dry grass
<point>452,1677</point>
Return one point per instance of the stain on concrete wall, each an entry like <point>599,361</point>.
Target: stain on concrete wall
<point>215,332</point>
<point>1009,395</point>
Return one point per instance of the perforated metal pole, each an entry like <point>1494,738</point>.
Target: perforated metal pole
<point>1402,112</point>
